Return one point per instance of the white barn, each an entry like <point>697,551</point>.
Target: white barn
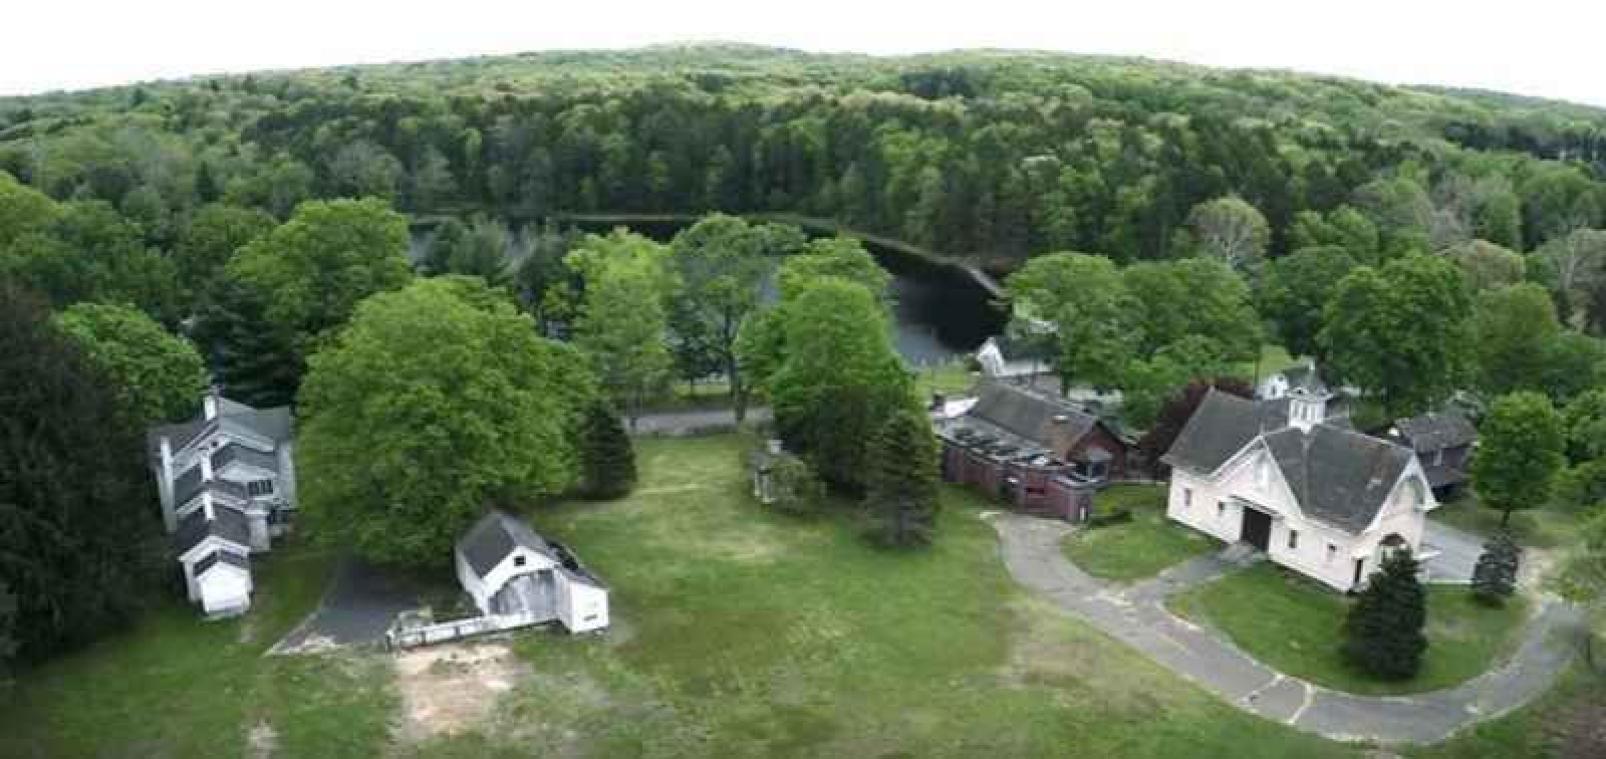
<point>1313,494</point>
<point>521,578</point>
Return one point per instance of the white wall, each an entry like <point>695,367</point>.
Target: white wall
<point>1310,556</point>
<point>585,607</point>
<point>225,591</point>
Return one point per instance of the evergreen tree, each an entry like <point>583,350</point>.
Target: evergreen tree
<point>78,515</point>
<point>607,460</point>
<point>254,361</point>
<point>1383,634</point>
<point>1494,578</point>
<point>902,481</point>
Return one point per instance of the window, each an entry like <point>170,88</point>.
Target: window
<point>1221,508</point>
<point>518,561</point>
<point>1293,540</point>
<point>259,488</point>
<point>1332,551</point>
<point>1187,498</point>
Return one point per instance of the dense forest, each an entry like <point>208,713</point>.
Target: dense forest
<point>988,156</point>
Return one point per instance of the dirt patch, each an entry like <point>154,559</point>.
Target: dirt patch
<point>263,740</point>
<point>314,644</point>
<point>450,688</point>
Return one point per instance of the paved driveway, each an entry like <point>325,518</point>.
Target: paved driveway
<point>358,608</point>
<point>1136,615</point>
<point>1458,553</point>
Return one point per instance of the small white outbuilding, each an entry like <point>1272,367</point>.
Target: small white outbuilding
<point>521,578</point>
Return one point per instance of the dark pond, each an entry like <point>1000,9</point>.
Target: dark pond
<point>941,311</point>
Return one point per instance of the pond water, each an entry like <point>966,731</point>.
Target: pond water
<point>941,312</point>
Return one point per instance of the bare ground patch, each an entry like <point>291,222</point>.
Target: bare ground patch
<point>262,740</point>
<point>449,689</point>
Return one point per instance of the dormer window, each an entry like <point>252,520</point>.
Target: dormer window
<point>259,488</point>
<point>518,561</point>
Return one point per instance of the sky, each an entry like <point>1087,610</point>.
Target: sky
<point>1536,47</point>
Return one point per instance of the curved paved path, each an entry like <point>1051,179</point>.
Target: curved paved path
<point>1137,616</point>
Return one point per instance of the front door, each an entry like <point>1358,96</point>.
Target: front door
<point>1256,528</point>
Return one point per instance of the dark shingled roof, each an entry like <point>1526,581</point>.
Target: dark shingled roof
<point>187,485</point>
<point>274,424</point>
<point>227,524</point>
<point>1221,427</point>
<point>233,452</point>
<point>1435,431</point>
<point>214,558</point>
<point>1048,422</point>
<point>492,538</point>
<point>1340,476</point>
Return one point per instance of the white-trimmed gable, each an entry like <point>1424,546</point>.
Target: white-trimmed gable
<point>1253,475</point>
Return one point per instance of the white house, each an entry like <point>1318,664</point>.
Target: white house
<point>519,577</point>
<point>227,485</point>
<point>1011,356</point>
<point>1315,496</point>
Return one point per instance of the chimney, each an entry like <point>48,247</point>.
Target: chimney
<point>209,404</point>
<point>164,484</point>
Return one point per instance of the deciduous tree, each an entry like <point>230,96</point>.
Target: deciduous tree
<point>1085,301</point>
<point>159,376</point>
<point>1399,332</point>
<point>1512,330</point>
<point>1295,289</point>
<point>435,402</point>
<point>1520,451</point>
<point>1230,229</point>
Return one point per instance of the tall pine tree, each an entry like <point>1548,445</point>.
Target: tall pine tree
<point>78,514</point>
<point>255,362</point>
<point>902,481</point>
<point>1383,634</point>
<point>608,462</point>
<point>1494,577</point>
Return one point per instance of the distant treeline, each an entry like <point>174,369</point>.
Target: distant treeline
<point>988,156</point>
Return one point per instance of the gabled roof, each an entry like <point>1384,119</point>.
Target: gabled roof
<point>275,424</point>
<point>225,523</point>
<point>1339,476</point>
<point>1220,428</point>
<point>224,558</point>
<point>1437,430</point>
<point>247,455</point>
<point>1041,419</point>
<point>1305,377</point>
<point>492,538</point>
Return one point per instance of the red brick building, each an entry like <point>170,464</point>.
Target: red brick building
<point>1036,452</point>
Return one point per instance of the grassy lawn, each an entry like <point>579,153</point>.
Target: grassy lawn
<point>737,632</point>
<point>1273,358</point>
<point>1566,722</point>
<point>1538,528</point>
<point>742,633</point>
<point>1295,626</point>
<point>176,686</point>
<point>948,378</point>
<point>1137,549</point>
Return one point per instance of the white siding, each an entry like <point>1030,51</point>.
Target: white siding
<point>1208,504</point>
<point>582,607</point>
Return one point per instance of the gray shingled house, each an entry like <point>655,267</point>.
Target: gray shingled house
<point>227,485</point>
<point>1318,498</point>
<point>1443,440</point>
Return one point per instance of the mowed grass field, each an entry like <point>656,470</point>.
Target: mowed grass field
<point>1295,626</point>
<point>175,686</point>
<point>1139,549</point>
<point>737,632</point>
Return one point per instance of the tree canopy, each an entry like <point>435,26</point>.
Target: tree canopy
<point>437,401</point>
<point>158,376</point>
<point>1521,449</point>
<point>78,517</point>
